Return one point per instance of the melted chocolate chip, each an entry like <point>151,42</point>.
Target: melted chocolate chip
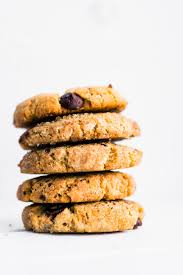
<point>71,101</point>
<point>138,223</point>
<point>109,86</point>
<point>53,210</point>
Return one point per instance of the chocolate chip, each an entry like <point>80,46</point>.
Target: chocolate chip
<point>53,210</point>
<point>109,86</point>
<point>71,101</point>
<point>138,223</point>
<point>42,197</point>
<point>47,150</point>
<point>72,209</point>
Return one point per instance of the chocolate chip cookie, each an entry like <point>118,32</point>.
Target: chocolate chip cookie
<point>80,127</point>
<point>77,188</point>
<point>89,99</point>
<point>109,216</point>
<point>80,158</point>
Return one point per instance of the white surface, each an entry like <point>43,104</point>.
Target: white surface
<point>136,46</point>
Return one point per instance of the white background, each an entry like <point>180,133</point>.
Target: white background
<point>136,46</point>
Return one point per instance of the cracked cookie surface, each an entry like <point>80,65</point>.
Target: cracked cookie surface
<point>80,127</point>
<point>80,158</point>
<point>104,216</point>
<point>91,99</point>
<point>77,188</point>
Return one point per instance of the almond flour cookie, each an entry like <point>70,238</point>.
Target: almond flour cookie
<point>86,99</point>
<point>77,188</point>
<point>80,158</point>
<point>80,127</point>
<point>93,217</point>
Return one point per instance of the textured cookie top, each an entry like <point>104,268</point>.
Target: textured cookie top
<point>77,188</point>
<point>93,217</point>
<point>80,158</point>
<point>80,127</point>
<point>89,99</point>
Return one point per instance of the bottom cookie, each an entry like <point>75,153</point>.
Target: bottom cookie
<point>96,217</point>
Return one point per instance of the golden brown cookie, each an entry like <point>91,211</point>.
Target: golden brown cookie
<point>77,188</point>
<point>109,216</point>
<point>80,127</point>
<point>85,99</point>
<point>80,158</point>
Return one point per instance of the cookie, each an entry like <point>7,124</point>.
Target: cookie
<point>108,216</point>
<point>80,158</point>
<point>80,127</point>
<point>77,188</point>
<point>86,99</point>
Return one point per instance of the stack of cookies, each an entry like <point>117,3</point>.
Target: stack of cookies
<point>70,138</point>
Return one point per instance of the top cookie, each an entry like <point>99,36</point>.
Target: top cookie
<point>77,100</point>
